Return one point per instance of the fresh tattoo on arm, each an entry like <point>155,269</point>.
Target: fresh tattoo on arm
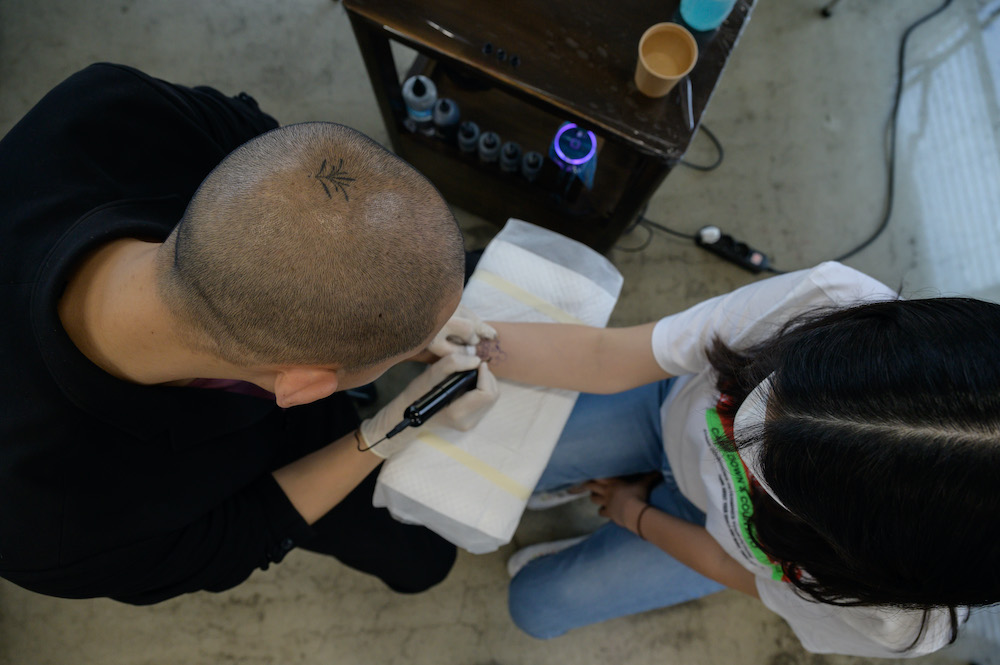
<point>489,351</point>
<point>330,176</point>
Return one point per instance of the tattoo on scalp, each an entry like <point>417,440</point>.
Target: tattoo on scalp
<point>335,177</point>
<point>489,351</point>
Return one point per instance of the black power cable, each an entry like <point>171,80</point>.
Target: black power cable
<point>891,165</point>
<point>643,245</point>
<point>660,227</point>
<point>718,147</point>
<point>891,129</point>
<point>650,225</point>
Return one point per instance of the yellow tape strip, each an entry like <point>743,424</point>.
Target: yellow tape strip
<point>501,480</point>
<point>529,299</point>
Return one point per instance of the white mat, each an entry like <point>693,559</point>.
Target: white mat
<point>471,487</point>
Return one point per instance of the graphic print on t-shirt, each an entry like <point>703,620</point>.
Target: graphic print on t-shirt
<point>737,506</point>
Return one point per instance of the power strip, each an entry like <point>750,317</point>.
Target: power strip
<point>740,253</point>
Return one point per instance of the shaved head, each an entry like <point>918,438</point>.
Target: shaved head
<point>312,245</point>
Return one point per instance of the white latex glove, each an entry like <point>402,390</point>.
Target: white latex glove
<point>463,329</point>
<point>462,414</point>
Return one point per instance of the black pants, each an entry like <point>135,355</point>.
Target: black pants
<point>406,557</point>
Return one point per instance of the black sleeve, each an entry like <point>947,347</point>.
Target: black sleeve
<point>250,530</point>
<point>248,522</point>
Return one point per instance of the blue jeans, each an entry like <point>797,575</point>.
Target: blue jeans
<point>613,572</point>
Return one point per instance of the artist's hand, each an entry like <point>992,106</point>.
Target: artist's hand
<point>462,414</point>
<point>465,412</point>
<point>463,329</point>
<point>621,499</point>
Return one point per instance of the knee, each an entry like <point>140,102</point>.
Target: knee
<point>532,610</point>
<point>433,568</point>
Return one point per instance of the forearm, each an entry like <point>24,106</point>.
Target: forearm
<point>546,354</point>
<point>319,481</point>
<point>690,544</point>
<point>573,357</point>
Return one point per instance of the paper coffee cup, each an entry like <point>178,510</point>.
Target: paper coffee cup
<point>667,53</point>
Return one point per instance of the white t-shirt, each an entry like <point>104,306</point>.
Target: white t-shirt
<point>742,318</point>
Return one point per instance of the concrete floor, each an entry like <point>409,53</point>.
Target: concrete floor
<point>801,111</point>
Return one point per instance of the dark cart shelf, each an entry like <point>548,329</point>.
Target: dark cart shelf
<point>575,68</point>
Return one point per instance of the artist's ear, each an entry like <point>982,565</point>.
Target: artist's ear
<point>302,385</point>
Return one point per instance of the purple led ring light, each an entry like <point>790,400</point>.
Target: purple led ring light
<point>562,155</point>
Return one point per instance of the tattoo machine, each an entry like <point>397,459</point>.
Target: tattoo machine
<point>437,398</point>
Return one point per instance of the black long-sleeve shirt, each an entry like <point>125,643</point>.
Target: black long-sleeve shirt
<point>138,493</point>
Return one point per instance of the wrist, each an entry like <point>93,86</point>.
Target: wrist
<point>375,428</point>
<point>362,443</point>
<point>365,433</point>
<point>372,436</point>
<point>632,513</point>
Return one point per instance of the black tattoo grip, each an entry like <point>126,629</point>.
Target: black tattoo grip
<point>441,396</point>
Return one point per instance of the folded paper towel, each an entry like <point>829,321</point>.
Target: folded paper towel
<point>471,487</point>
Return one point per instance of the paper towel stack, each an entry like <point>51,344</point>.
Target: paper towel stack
<point>471,487</point>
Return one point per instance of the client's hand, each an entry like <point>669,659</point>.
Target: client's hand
<point>462,414</point>
<point>621,498</point>
<point>464,328</point>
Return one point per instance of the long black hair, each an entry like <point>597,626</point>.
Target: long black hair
<point>882,438</point>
